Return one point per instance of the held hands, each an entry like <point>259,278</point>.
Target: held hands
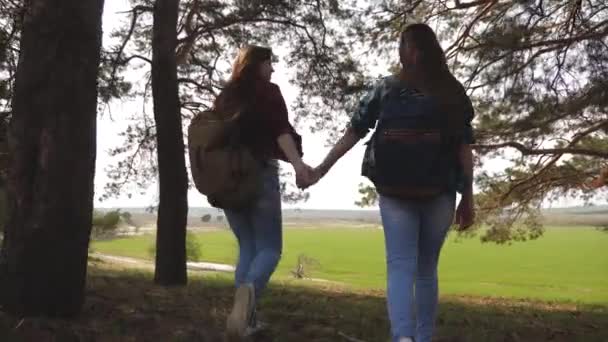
<point>306,175</point>
<point>303,174</point>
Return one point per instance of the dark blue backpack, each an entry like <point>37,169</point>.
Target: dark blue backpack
<point>413,153</point>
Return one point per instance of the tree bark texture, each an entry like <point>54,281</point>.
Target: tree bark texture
<point>52,150</point>
<point>173,179</point>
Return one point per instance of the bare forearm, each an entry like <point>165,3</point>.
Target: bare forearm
<point>288,146</point>
<point>348,140</point>
<point>466,159</point>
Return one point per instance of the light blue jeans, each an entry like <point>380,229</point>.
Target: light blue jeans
<point>414,232</point>
<point>258,230</point>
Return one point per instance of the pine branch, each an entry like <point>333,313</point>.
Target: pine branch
<point>599,181</point>
<point>465,34</point>
<point>117,61</point>
<point>556,156</point>
<point>460,5</point>
<point>145,59</point>
<point>526,151</point>
<point>588,35</point>
<point>197,84</point>
<point>569,149</point>
<point>131,161</point>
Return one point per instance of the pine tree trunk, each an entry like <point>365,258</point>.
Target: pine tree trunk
<point>52,145</point>
<point>173,181</point>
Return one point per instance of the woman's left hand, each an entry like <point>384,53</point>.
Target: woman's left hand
<point>304,175</point>
<point>465,213</point>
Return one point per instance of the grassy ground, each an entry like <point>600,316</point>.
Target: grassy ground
<point>124,305</point>
<point>567,264</point>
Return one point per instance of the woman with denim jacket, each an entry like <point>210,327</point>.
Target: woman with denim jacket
<point>415,229</point>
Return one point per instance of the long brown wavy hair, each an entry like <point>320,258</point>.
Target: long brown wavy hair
<point>431,73</point>
<point>245,73</point>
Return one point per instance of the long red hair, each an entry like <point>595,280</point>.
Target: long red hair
<point>245,73</point>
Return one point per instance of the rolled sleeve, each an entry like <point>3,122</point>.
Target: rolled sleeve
<point>278,119</point>
<point>367,113</point>
<point>277,110</point>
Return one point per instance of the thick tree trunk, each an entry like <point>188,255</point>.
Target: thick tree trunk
<point>52,145</point>
<point>173,181</point>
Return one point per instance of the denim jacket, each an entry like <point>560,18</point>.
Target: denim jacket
<point>370,106</point>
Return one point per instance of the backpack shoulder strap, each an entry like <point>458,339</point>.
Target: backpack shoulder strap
<point>396,89</point>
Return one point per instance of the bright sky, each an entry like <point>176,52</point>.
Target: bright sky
<point>338,190</point>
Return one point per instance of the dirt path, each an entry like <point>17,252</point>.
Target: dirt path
<point>193,266</point>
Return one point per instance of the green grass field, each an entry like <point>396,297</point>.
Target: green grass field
<point>566,265</point>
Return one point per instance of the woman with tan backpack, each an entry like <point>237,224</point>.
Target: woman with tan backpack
<point>264,129</point>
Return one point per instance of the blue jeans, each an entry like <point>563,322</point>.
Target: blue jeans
<point>414,232</point>
<point>258,230</point>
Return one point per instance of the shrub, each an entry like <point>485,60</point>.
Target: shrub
<point>304,266</point>
<point>193,248</point>
<point>107,221</point>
